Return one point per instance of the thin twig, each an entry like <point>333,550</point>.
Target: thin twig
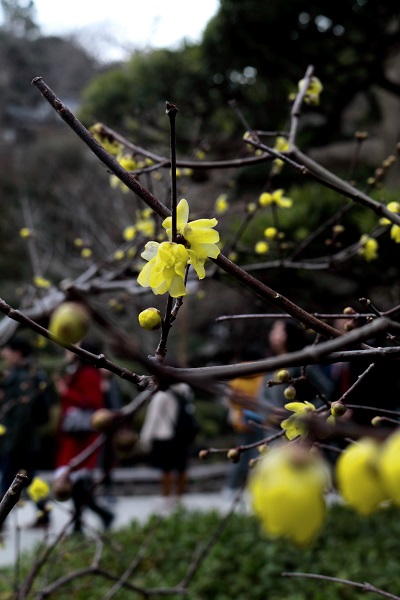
<point>365,587</point>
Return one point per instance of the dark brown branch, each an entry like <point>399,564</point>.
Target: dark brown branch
<point>12,495</point>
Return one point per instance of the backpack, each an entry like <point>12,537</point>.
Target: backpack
<point>186,425</point>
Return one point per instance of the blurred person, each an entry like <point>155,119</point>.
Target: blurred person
<point>81,394</point>
<point>243,402</point>
<point>107,459</point>
<point>169,450</point>
<point>24,408</point>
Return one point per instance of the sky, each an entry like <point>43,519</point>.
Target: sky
<point>114,29</point>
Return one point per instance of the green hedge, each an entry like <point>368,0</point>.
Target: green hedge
<point>244,564</point>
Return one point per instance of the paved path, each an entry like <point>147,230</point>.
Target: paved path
<point>18,536</point>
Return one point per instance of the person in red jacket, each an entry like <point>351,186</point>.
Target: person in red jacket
<point>81,394</point>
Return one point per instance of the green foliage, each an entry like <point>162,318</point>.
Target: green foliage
<point>244,563</point>
<point>137,91</point>
<point>347,42</point>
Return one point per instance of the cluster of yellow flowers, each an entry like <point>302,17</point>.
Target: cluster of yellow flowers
<point>368,247</point>
<point>287,488</point>
<point>368,473</point>
<point>167,261</point>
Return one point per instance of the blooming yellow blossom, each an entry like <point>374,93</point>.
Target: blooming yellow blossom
<point>2,429</point>
<point>261,247</point>
<point>277,198</point>
<point>200,237</point>
<point>78,242</point>
<point>313,91</point>
<point>166,268</point>
<point>294,425</point>
<point>368,247</point>
<point>287,491</point>
<point>38,489</point>
<point>129,163</point>
<point>389,466</point>
<point>358,478</point>
<point>221,204</point>
<point>86,253</point>
<point>41,282</point>
<point>251,207</point>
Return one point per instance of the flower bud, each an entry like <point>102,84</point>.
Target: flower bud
<point>103,419</point>
<point>70,322</point>
<point>290,392</point>
<point>338,409</point>
<point>234,455</point>
<point>203,454</point>
<point>150,319</point>
<point>62,488</point>
<point>283,375</point>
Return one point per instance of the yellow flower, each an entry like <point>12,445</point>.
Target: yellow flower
<point>286,488</point>
<point>395,233</point>
<point>2,429</point>
<point>166,268</point>
<point>358,477</point>
<point>200,237</point>
<point>313,91</point>
<point>128,162</point>
<point>276,197</point>
<point>261,247</point>
<point>129,233</point>
<point>150,319</point>
<point>281,145</point>
<point>293,425</point>
<point>86,253</point>
<point>112,146</point>
<point>251,207</point>
<point>221,204</point>
<point>78,242</point>
<point>368,247</point>
<point>389,466</point>
<point>38,489</point>
<point>270,233</point>
<point>393,207</point>
<point>25,232</point>
<point>146,226</point>
<point>41,282</point>
<point>119,254</point>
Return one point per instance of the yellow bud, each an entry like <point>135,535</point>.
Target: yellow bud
<point>290,392</point>
<point>283,375</point>
<point>338,409</point>
<point>234,455</point>
<point>70,322</point>
<point>150,319</point>
<point>25,232</point>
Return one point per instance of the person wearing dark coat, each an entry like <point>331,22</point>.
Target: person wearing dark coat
<point>22,393</point>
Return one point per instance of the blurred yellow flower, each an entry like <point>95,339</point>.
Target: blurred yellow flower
<point>38,489</point>
<point>368,247</point>
<point>277,198</point>
<point>25,232</point>
<point>395,233</point>
<point>358,478</point>
<point>129,233</point>
<point>286,488</point>
<point>221,204</point>
<point>2,429</point>
<point>270,233</point>
<point>313,91</point>
<point>86,253</point>
<point>41,282</point>
<point>261,247</point>
<point>119,254</point>
<point>389,466</point>
<point>294,426</point>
